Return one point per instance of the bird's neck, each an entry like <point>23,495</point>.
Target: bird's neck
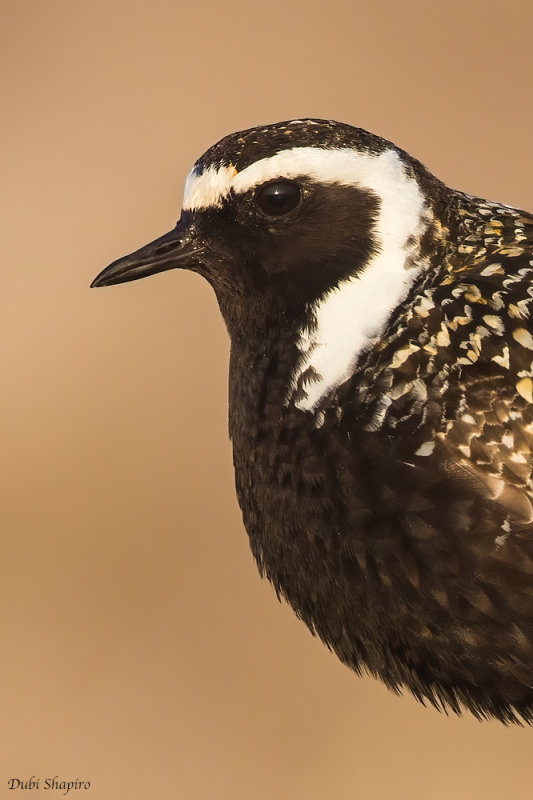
<point>261,365</point>
<point>264,350</point>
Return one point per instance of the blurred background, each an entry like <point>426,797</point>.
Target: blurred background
<point>140,649</point>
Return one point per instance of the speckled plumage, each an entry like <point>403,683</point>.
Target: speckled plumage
<point>395,512</point>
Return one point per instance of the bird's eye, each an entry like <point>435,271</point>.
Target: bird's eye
<point>278,198</point>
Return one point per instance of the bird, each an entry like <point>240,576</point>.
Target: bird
<point>380,400</point>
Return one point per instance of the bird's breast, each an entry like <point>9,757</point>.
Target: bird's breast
<point>327,504</point>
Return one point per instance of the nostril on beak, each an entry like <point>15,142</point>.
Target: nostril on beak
<point>165,248</point>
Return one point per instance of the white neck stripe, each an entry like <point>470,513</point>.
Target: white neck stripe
<point>355,313</point>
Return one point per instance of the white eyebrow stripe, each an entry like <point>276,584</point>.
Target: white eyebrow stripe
<point>207,189</point>
<point>344,166</point>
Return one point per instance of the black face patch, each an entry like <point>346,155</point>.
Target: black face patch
<point>295,257</point>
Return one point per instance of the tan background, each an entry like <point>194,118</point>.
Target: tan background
<point>140,650</point>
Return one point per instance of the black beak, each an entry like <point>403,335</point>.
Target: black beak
<point>178,248</point>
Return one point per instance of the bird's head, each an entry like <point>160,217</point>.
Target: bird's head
<point>280,218</point>
<point>292,209</point>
